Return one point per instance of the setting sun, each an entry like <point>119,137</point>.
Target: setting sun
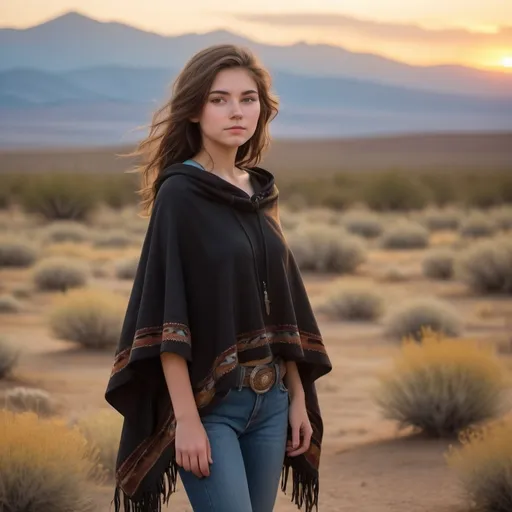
<point>506,62</point>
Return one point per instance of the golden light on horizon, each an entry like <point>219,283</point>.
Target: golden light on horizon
<point>506,62</point>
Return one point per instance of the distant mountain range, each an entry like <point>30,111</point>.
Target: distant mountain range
<point>74,80</point>
<point>75,41</point>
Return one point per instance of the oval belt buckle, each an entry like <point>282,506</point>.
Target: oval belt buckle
<point>262,378</point>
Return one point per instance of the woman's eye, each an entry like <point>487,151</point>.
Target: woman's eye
<point>250,99</point>
<point>216,100</point>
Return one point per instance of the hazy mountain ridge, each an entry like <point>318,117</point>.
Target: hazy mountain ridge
<point>90,43</point>
<point>133,85</point>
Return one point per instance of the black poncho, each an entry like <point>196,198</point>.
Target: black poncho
<point>217,284</point>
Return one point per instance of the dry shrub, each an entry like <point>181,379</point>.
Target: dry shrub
<point>44,466</point>
<point>72,250</point>
<point>127,268</point>
<point>21,399</point>
<point>362,223</point>
<point>477,225</point>
<point>9,304</point>
<point>395,191</point>
<point>103,432</point>
<point>439,264</point>
<point>289,219</point>
<point>405,234</point>
<point>353,302</point>
<point>114,238</point>
<point>60,196</point>
<point>9,355</point>
<point>323,248</point>
<point>320,215</point>
<point>440,220</point>
<point>442,386</point>
<point>90,317</point>
<point>502,218</point>
<point>60,274</point>
<point>410,318</point>
<point>487,266</point>
<point>394,274</point>
<point>17,252</point>
<point>66,231</point>
<point>483,462</point>
<point>22,291</point>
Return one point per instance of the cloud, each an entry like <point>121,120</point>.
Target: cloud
<point>383,30</point>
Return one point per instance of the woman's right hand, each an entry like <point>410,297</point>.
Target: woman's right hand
<point>193,451</point>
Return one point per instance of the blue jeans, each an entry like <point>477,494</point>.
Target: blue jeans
<point>247,434</point>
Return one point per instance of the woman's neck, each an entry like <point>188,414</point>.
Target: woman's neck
<point>219,161</point>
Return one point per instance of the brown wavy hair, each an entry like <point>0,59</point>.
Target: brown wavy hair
<point>174,138</point>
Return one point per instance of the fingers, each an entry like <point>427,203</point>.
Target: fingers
<point>194,466</point>
<point>296,436</point>
<point>197,463</point>
<point>210,460</point>
<point>204,466</point>
<point>292,449</point>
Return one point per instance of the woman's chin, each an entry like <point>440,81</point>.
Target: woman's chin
<point>233,141</point>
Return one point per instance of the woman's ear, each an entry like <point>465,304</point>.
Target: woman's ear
<point>194,120</point>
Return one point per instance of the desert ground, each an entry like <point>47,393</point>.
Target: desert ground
<point>367,463</point>
<point>447,152</point>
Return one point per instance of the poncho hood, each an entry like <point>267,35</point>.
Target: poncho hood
<point>217,284</point>
<point>210,185</point>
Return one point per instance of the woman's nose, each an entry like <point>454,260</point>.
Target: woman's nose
<point>236,111</point>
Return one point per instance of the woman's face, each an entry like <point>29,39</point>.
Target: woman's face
<point>230,115</point>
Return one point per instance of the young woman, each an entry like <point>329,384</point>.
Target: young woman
<point>219,353</point>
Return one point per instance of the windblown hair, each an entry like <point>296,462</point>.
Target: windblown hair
<point>174,138</point>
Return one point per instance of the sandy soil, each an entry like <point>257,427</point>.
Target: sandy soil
<point>366,464</point>
<point>454,151</point>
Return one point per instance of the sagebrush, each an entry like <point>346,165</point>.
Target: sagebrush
<point>411,318</point>
<point>442,386</point>
<point>91,317</point>
<point>44,466</point>
<point>483,462</point>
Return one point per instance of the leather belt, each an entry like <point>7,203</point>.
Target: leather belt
<point>262,377</point>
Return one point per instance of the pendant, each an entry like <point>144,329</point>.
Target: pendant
<point>267,301</point>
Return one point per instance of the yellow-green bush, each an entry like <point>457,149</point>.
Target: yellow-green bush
<point>103,432</point>
<point>352,303</point>
<point>90,317</point>
<point>44,465</point>
<point>442,386</point>
<point>9,355</point>
<point>60,274</point>
<point>483,462</point>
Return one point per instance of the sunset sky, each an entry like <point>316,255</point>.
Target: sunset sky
<point>472,32</point>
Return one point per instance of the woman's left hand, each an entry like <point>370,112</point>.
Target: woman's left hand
<point>301,427</point>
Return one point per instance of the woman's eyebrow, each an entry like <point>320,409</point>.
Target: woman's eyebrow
<point>250,91</point>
